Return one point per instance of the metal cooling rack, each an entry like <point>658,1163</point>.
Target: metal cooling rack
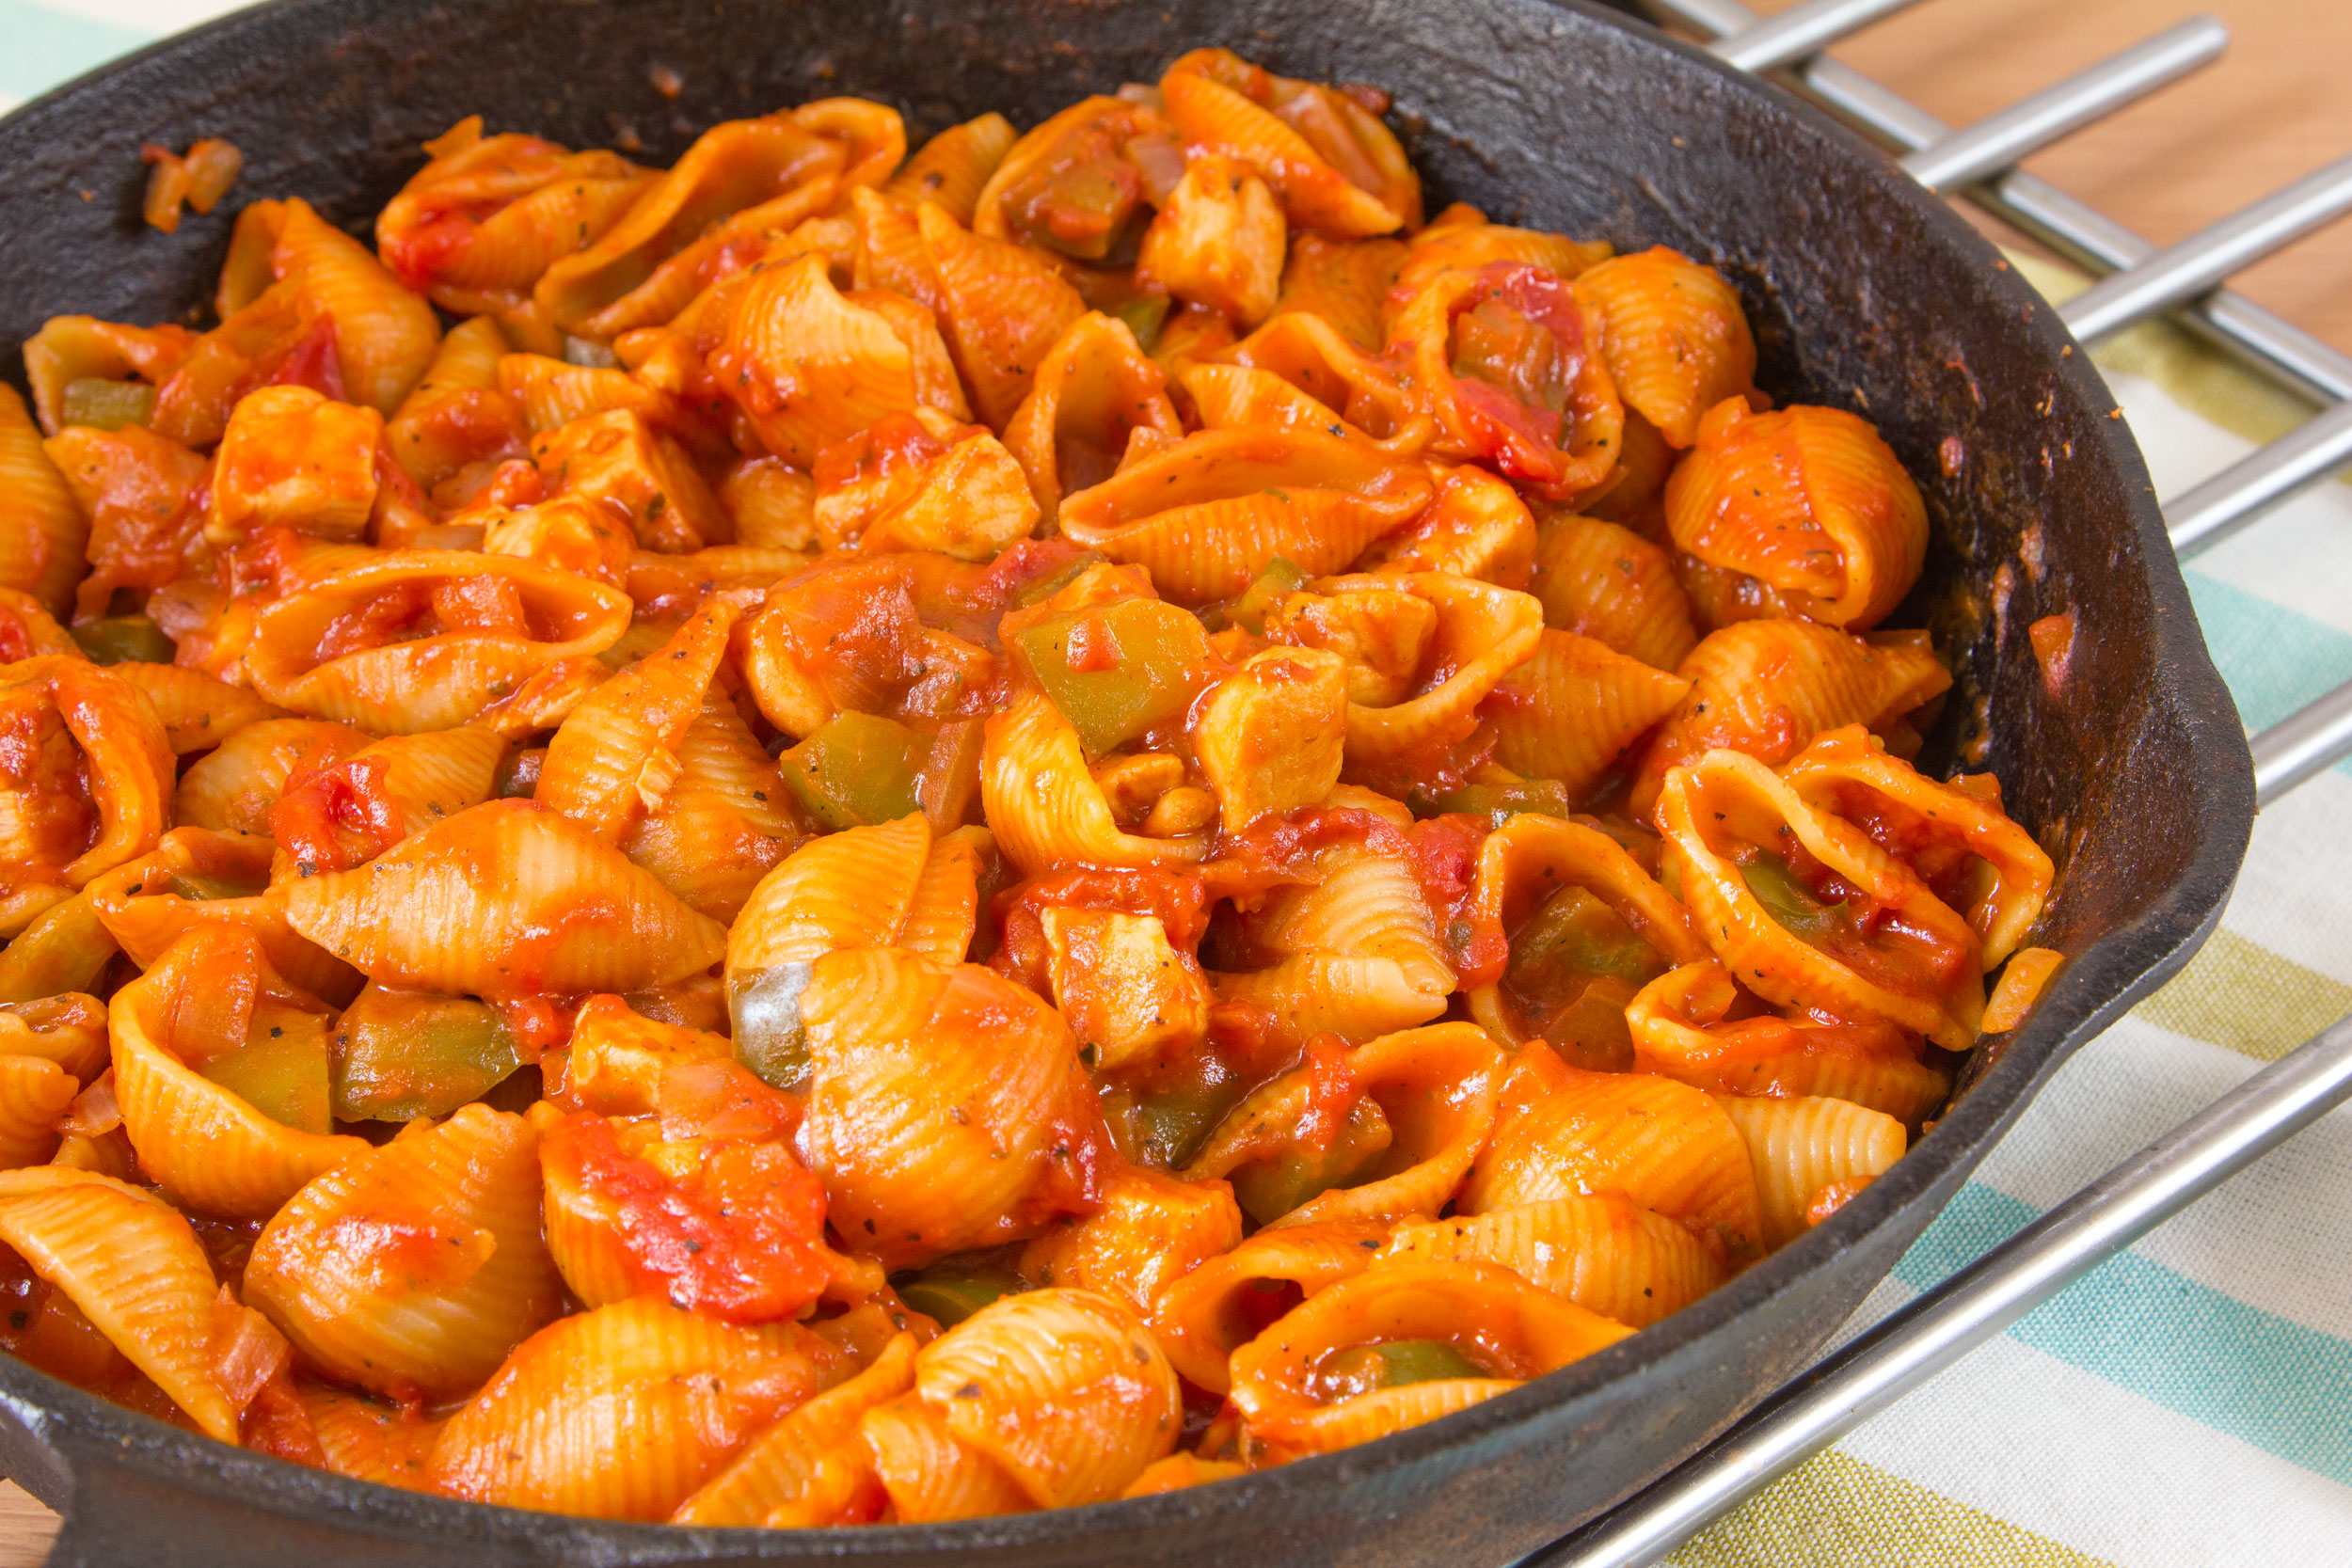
<point>2137,280</point>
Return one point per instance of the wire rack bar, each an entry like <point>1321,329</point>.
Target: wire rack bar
<point>1973,1305</point>
<point>1923,1338</point>
<point>2203,517</point>
<point>2276,348</point>
<point>1998,140</point>
<point>1800,31</point>
<point>2195,265</point>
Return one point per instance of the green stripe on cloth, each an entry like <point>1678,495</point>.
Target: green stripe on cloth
<point>1837,1509</point>
<point>48,47</point>
<point>2244,996</point>
<point>2274,659</point>
<point>2155,1332</point>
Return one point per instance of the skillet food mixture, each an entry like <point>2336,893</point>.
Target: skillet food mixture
<point>835,837</point>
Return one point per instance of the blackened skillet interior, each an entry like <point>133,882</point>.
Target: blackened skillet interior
<point>1864,293</point>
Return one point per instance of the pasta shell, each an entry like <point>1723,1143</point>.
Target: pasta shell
<point>1314,356</point>
<point>1680,1031</point>
<point>1344,282</point>
<point>95,789</point>
<point>1480,634</point>
<point>1354,954</point>
<point>1674,335</point>
<point>417,1267</point>
<point>927,1475</point>
<point>478,223</point>
<point>1075,1396</point>
<point>1201,1317</point>
<point>723,248</point>
<point>1094,142</point>
<point>1435,1089</point>
<point>203,1144</point>
<point>1606,582</point>
<point>383,335</point>
<point>1550,421</point>
<point>1151,1231</point>
<point>1208,514</point>
<point>1807,500</point>
<point>198,712</point>
<point>1042,802</point>
<point>1920,967</point>
<point>34,1093</point>
<point>504,899</point>
<point>28,630</point>
<point>1461,239</point>
<point>723,825</point>
<point>1575,707</point>
<point>1662,1144</point>
<point>954,167</point>
<point>1002,309</point>
<point>1605,1253</point>
<point>137,1271</point>
<point>621,1412</point>
<point>1479,528</point>
<point>615,758</point>
<point>549,394</point>
<point>1821,679</point>
<point>368,1441</point>
<point>195,876</point>
<point>1092,392</point>
<point>1504,1323</point>
<point>457,414</point>
<point>68,1030</point>
<point>1337,168</point>
<point>42,532</point>
<point>506,619</point>
<point>144,496</point>
<point>1529,859</point>
<point>1848,772</point>
<point>82,348</point>
<point>1804,1145</point>
<point>946,1108</point>
<point>797,1467</point>
<point>733,165</point>
<point>809,366</point>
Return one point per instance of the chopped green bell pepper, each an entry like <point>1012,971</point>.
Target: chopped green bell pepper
<point>1368,1369</point>
<point>1266,590</point>
<point>104,405</point>
<point>953,1291</point>
<point>402,1056</point>
<point>1116,670</point>
<point>1268,1189</point>
<point>1499,802</point>
<point>282,1068</point>
<point>857,769</point>
<point>66,949</point>
<point>1787,900</point>
<point>764,1016</point>
<point>125,640</point>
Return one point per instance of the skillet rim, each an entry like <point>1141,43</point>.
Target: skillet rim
<point>78,1432</point>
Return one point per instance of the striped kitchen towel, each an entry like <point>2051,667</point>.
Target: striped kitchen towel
<point>2188,1406</point>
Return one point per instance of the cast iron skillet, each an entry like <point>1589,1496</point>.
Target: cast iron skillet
<point>1864,292</point>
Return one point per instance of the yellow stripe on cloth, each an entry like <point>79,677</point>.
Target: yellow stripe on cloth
<point>1837,1509</point>
<point>2245,996</point>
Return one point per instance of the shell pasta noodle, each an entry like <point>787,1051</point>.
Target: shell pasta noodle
<point>887,827</point>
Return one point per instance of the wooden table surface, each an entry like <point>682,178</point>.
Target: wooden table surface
<point>2274,108</point>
